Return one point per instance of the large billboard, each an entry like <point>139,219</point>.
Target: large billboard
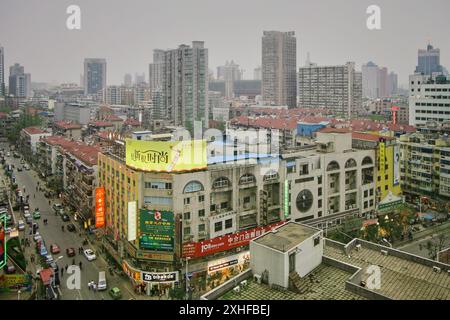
<point>132,220</point>
<point>99,207</point>
<point>396,165</point>
<point>2,241</point>
<point>227,242</point>
<point>157,230</point>
<point>166,156</point>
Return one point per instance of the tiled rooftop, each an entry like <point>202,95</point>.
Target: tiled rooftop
<point>400,278</point>
<point>67,125</point>
<point>34,130</point>
<point>324,283</point>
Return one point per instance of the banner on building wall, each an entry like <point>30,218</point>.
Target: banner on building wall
<point>382,152</point>
<point>99,207</point>
<point>132,220</point>
<point>396,165</point>
<point>166,156</point>
<point>230,261</point>
<point>156,230</point>
<point>227,242</point>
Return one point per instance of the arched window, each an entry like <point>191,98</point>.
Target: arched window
<point>367,160</point>
<point>271,175</point>
<point>351,163</point>
<point>333,165</point>
<point>193,186</point>
<point>221,182</point>
<point>247,178</point>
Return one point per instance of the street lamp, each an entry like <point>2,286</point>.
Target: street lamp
<point>187,278</point>
<point>18,294</point>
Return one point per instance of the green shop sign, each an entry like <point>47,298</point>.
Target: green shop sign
<point>157,230</point>
<point>390,205</point>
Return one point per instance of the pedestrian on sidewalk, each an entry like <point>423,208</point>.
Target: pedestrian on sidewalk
<point>66,267</point>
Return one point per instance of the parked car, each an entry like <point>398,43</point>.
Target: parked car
<point>36,215</point>
<point>57,207</point>
<point>21,225</point>
<point>54,248</point>
<point>70,252</point>
<point>89,254</point>
<point>71,227</point>
<point>26,167</point>
<point>115,293</point>
<point>48,258</point>
<point>65,217</point>
<point>37,237</point>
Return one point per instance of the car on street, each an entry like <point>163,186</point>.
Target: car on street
<point>21,225</point>
<point>89,254</point>
<point>19,169</point>
<point>65,217</point>
<point>48,258</point>
<point>9,269</point>
<point>54,248</point>
<point>54,266</point>
<point>36,215</point>
<point>71,227</point>
<point>28,219</point>
<point>44,251</point>
<point>26,167</point>
<point>57,207</point>
<point>37,237</point>
<point>115,293</point>
<point>70,252</point>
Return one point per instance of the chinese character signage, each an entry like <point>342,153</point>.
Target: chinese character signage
<point>382,147</point>
<point>99,207</point>
<point>157,230</point>
<point>227,242</point>
<point>166,156</point>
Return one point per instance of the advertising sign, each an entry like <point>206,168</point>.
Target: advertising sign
<point>15,281</point>
<point>396,165</point>
<point>132,220</point>
<point>160,277</point>
<point>286,198</point>
<point>157,230</point>
<point>382,147</point>
<point>166,156</point>
<point>216,265</point>
<point>99,207</point>
<point>2,241</point>
<point>227,242</point>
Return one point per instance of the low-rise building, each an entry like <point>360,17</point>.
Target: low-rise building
<point>68,129</point>
<point>29,137</point>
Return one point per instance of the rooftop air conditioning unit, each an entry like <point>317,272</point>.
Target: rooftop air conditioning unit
<point>358,247</point>
<point>244,283</point>
<point>437,269</point>
<point>384,252</point>
<point>237,289</point>
<point>257,278</point>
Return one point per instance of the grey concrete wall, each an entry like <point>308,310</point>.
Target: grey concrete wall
<point>227,286</point>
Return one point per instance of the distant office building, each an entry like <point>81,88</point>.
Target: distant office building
<point>218,108</point>
<point>279,63</point>
<point>155,72</point>
<point>392,83</point>
<point>229,73</point>
<point>336,88</point>
<point>19,82</point>
<point>257,75</point>
<point>377,82</point>
<point>142,94</point>
<point>247,88</point>
<point>73,112</point>
<point>114,95</point>
<point>139,78</point>
<point>127,80</point>
<point>94,76</point>
<point>429,99</point>
<point>2,72</point>
<point>185,85</point>
<point>428,61</point>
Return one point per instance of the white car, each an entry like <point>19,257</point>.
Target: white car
<point>37,236</point>
<point>89,254</point>
<point>21,225</point>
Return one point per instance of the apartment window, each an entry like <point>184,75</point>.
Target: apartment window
<point>385,187</point>
<point>201,198</point>
<point>201,212</point>
<point>246,200</point>
<point>212,208</point>
<point>158,200</point>
<point>187,231</point>
<point>218,226</point>
<point>224,205</point>
<point>319,191</point>
<point>371,202</point>
<point>371,192</point>
<point>303,169</point>
<point>187,216</point>
<point>379,178</point>
<point>365,204</point>
<point>228,223</point>
<point>319,203</point>
<point>365,194</point>
<point>187,201</point>
<point>319,180</point>
<point>316,241</point>
<point>386,177</point>
<point>320,214</point>
<point>201,227</point>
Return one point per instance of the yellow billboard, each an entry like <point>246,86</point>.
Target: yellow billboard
<point>166,156</point>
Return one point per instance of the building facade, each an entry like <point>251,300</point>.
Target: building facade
<point>429,99</point>
<point>336,88</point>
<point>428,61</point>
<point>2,72</point>
<point>279,65</point>
<point>156,69</point>
<point>19,82</point>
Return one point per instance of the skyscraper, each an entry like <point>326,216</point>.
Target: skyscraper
<point>336,88</point>
<point>185,85</point>
<point>2,72</point>
<point>377,82</point>
<point>279,63</point>
<point>139,78</point>
<point>19,82</point>
<point>428,61</point>
<point>155,71</point>
<point>94,75</point>
<point>257,73</point>
<point>127,80</point>
<point>229,73</point>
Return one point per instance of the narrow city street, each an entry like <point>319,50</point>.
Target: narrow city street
<point>52,234</point>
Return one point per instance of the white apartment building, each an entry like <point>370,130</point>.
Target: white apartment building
<point>429,99</point>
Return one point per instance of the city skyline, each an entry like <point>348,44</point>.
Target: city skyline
<point>65,50</point>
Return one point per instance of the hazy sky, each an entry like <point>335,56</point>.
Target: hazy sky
<point>34,33</point>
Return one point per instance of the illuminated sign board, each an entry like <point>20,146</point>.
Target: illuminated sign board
<point>157,230</point>
<point>132,223</point>
<point>396,165</point>
<point>2,241</point>
<point>160,276</point>
<point>166,156</point>
<point>286,198</point>
<point>99,207</point>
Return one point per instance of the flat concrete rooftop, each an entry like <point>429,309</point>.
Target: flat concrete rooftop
<point>287,236</point>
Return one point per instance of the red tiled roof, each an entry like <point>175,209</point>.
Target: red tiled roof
<point>83,152</point>
<point>57,141</point>
<point>33,130</point>
<point>132,122</point>
<point>112,117</point>
<point>67,125</point>
<point>46,275</point>
<point>100,123</point>
<point>267,122</point>
<point>335,130</point>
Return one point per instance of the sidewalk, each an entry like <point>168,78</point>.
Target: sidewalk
<point>422,234</point>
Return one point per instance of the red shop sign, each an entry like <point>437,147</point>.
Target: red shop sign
<point>218,244</point>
